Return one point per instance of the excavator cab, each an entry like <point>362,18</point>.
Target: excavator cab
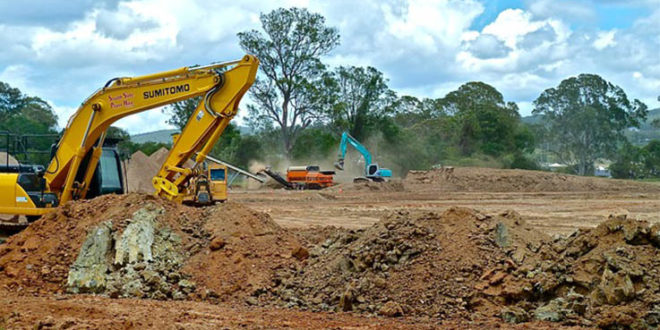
<point>24,185</point>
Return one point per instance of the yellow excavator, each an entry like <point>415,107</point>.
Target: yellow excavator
<point>79,169</point>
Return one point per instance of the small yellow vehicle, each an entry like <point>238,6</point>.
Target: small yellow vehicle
<point>210,186</point>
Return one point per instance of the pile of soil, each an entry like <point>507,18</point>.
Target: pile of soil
<point>422,264</point>
<point>6,159</point>
<point>159,156</point>
<point>140,170</point>
<point>457,265</point>
<point>245,251</point>
<point>143,246</point>
<point>498,180</point>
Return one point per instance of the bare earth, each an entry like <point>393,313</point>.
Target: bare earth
<point>553,212</point>
<point>348,206</point>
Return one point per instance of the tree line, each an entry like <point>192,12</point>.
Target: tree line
<point>299,106</point>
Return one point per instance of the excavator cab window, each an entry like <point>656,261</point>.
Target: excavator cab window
<point>110,173</point>
<point>373,168</point>
<point>218,174</point>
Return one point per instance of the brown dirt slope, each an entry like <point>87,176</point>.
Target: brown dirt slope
<point>499,180</point>
<point>38,258</point>
<point>247,248</point>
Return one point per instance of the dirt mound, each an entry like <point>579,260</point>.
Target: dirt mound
<point>406,264</point>
<point>6,159</point>
<point>246,249</point>
<point>140,170</point>
<point>159,156</point>
<point>142,246</point>
<point>498,180</point>
<point>605,276</point>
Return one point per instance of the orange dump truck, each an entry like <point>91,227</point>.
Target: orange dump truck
<point>309,177</point>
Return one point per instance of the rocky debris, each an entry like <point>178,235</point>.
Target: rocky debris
<point>217,244</point>
<point>514,314</point>
<point>88,272</point>
<point>391,309</point>
<point>300,253</point>
<point>143,261</point>
<point>407,264</point>
<point>606,276</point>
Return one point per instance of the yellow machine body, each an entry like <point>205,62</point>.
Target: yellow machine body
<point>14,198</point>
<point>217,175</point>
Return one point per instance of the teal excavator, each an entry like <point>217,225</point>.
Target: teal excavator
<point>372,172</point>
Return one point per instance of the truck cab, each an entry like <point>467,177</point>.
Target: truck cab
<point>218,175</point>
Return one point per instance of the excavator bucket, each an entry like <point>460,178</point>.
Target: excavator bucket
<point>339,165</point>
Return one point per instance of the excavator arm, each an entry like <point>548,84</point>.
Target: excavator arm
<point>202,131</point>
<point>348,139</point>
<point>70,171</point>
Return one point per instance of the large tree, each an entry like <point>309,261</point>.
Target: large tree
<point>585,117</point>
<point>361,97</point>
<point>483,120</point>
<point>287,89</point>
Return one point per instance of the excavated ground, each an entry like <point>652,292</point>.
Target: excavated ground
<point>395,255</point>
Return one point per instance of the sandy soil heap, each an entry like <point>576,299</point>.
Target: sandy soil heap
<point>7,159</point>
<point>498,180</point>
<point>140,170</point>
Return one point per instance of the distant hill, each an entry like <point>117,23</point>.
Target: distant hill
<point>640,136</point>
<point>165,135</point>
<point>161,136</point>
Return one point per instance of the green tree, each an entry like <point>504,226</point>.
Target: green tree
<point>483,120</point>
<point>627,163</point>
<point>585,117</point>
<point>361,97</point>
<point>11,100</point>
<point>315,143</point>
<point>286,91</point>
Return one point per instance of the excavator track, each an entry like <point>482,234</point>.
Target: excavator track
<point>10,226</point>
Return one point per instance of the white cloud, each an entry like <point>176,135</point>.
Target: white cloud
<point>604,39</point>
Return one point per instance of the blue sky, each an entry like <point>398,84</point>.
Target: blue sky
<point>64,51</point>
